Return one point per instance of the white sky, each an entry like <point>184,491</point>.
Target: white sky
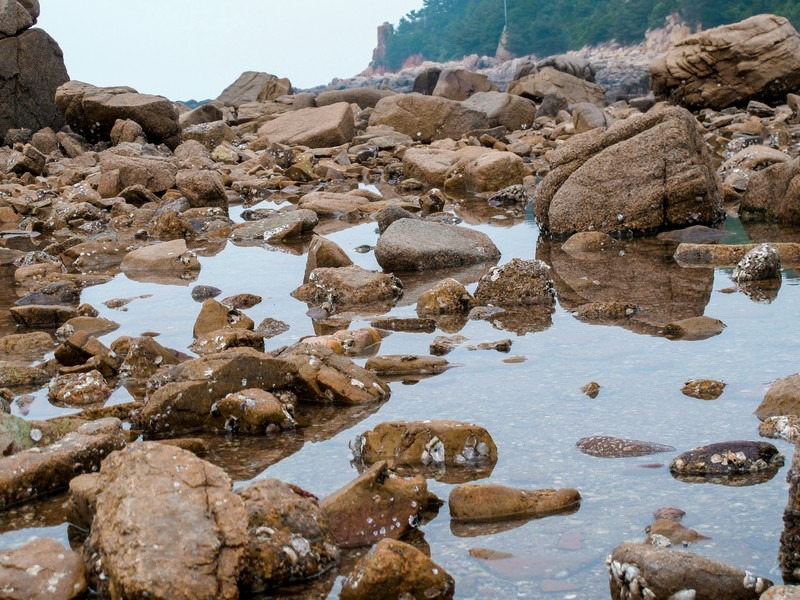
<point>193,49</point>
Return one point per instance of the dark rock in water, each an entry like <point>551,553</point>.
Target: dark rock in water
<point>62,292</point>
<point>605,446</point>
<point>639,571</point>
<point>270,327</point>
<point>738,462</point>
<point>201,293</point>
<point>789,554</point>
<point>394,569</point>
<point>696,234</point>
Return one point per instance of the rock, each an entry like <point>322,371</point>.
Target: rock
<point>205,113</point>
<point>703,389</point>
<point>486,502</point>
<point>694,328</point>
<point>25,345</point>
<point>33,69</point>
<point>144,357</point>
<point>727,255</point>
<point>363,97</point>
<point>211,135</point>
<point>639,571</point>
<point>201,293</point>
<point>323,253</point>
<point>93,111</point>
<point>289,536</point>
<point>505,110</point>
<point>43,316</point>
<point>284,226</point>
<point>426,81</point>
<point>350,287</point>
<point>488,172</point>
<point>326,377</point>
<point>705,70</point>
<point>189,544</point>
<point>760,263</point>
<point>15,434</point>
<point>449,443</point>
<point>395,569</point>
<point>332,204</point>
<point>270,327</point>
<point>81,349</point>
<point>162,258</point>
<point>13,376</point>
<point>786,427</point>
<point>576,66</point>
<point>180,398</point>
<point>79,389</point>
<point>460,84</point>
<point>378,504</point>
<point>405,324</point>
<point>446,297</point>
<point>431,165</point>
<point>781,592</point>
<point>126,130</point>
<point>586,116</point>
<point>323,127</point>
<point>60,292</point>
<point>252,86</point>
<point>426,118</point>
<point>591,389</point>
<point>517,283</point>
<point>782,398</point>
<point>604,446</point>
<point>673,531</point>
<point>155,173</point>
<point>219,340</point>
<point>673,185</point>
<point>365,341</point>
<point>42,569</point>
<point>412,245</point>
<point>550,81</point>
<point>405,364</point>
<point>587,241</point>
<point>696,234</point>
<point>773,194</point>
<point>753,461</point>
<point>215,316</point>
<point>603,312</point>
<point>202,188</point>
<point>41,471</point>
<point>252,411</point>
<point>789,552</point>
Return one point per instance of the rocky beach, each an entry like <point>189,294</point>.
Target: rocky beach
<point>474,330</point>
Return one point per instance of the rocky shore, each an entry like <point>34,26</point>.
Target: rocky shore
<point>106,182</point>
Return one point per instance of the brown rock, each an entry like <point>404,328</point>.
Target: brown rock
<point>323,127</point>
<point>83,349</point>
<point>350,287</point>
<point>446,297</point>
<point>727,255</point>
<point>773,194</point>
<point>694,328</point>
<point>505,110</point>
<point>172,256</point>
<point>79,389</point>
<point>550,81</point>
<point>376,505</point>
<point>189,544</point>
<point>252,86</point>
<point>517,283</point>
<point>395,569</point>
<point>324,253</point>
<point>486,502</point>
<point>219,340</point>
<point>202,188</point>
<point>252,411</point>
<point>673,531</point>
<point>155,173</point>
<point>460,84</point>
<point>363,97</point>
<point>42,569</point>
<point>782,398</point>
<point>404,364</point>
<point>488,172</point>
<point>145,356</point>
<point>215,316</point>
<point>703,389</point>
<point>282,227</point>
<point>13,376</point>
<point>42,316</point>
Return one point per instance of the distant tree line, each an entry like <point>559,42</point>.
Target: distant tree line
<point>451,29</point>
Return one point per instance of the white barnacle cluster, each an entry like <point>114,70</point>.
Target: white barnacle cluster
<point>751,582</point>
<point>433,452</point>
<point>473,451</point>
<point>631,581</point>
<point>356,446</point>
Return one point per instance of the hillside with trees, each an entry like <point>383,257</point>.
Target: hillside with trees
<point>451,29</point>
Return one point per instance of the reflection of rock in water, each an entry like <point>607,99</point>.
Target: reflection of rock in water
<point>640,272</point>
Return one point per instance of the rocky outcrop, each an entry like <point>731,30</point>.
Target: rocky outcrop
<point>773,194</point>
<point>331,125</point>
<point>460,84</point>
<point>758,58</point>
<point>253,86</point>
<point>551,82</point>
<point>595,185</point>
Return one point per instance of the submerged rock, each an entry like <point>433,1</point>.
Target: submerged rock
<point>485,502</point>
<point>604,446</point>
<point>737,462</point>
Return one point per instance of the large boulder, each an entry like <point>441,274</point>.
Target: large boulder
<point>755,59</point>
<point>362,97</point>
<point>327,126</point>
<point>93,111</point>
<point>155,173</point>
<point>551,82</point>
<point>507,110</point>
<point>31,70</point>
<point>167,525</point>
<point>773,194</point>
<point>252,86</point>
<point>17,16</point>
<point>460,84</point>
<point>427,118</point>
<point>640,175</point>
<point>415,245</point>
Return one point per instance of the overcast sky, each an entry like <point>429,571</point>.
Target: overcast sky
<point>193,49</point>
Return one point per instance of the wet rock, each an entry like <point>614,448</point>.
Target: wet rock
<point>95,326</point>
<point>324,253</point>
<point>365,341</point>
<point>79,389</point>
<point>15,434</point>
<point>704,70</point>
<point>215,316</point>
<point>639,571</point>
<point>591,389</point>
<point>694,328</point>
<point>189,544</point>
<point>594,312</point>
<point>786,427</point>
<point>395,569</point>
<point>405,324</point>
<point>405,364</point>
<point>760,263</point>
<point>40,471</point>
<point>411,245</point>
<point>202,188</point>
<point>696,234</point>
<point>171,257</point>
<point>703,389</point>
<point>782,398</point>
<point>449,443</point>
<point>290,225</point>
<point>426,118</point>
<point>486,172</point>
<point>789,553</point>
<point>61,292</point>
<point>93,111</point>
<point>486,502</point>
<point>289,536</point>
<point>42,569</point>
<point>145,356</point>
<point>587,241</point>
<point>744,462</point>
<point>673,531</point>
<point>326,377</point>
<point>180,397</point>
<point>204,292</point>
<point>252,411</point>
<point>781,592</point>
<point>376,505</point>
<point>227,337</point>
<point>322,127</point>
<point>25,345</point>
<point>728,255</point>
<point>13,376</point>
<point>604,446</point>
<point>442,344</point>
<point>44,316</point>
<point>350,287</point>
<point>332,204</point>
<point>83,349</point>
<point>446,297</point>
<point>677,166</point>
<point>518,282</point>
<point>773,194</point>
<point>269,328</point>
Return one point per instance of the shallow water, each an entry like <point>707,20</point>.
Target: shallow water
<point>534,409</point>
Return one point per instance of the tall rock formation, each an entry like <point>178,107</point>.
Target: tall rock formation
<point>31,68</point>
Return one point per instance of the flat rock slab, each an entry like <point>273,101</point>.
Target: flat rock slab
<point>405,364</point>
<point>42,569</point>
<point>605,446</point>
<point>485,502</point>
